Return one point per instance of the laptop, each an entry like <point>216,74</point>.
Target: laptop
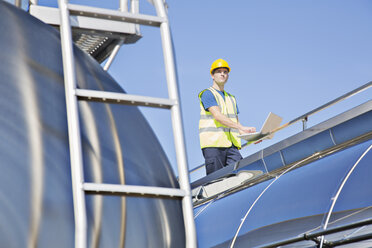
<point>271,123</point>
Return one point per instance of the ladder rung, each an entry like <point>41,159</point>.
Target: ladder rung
<point>148,191</point>
<point>116,15</point>
<point>122,98</point>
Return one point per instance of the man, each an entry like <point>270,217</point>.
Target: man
<point>219,125</point>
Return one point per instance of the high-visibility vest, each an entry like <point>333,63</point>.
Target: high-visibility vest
<point>211,132</point>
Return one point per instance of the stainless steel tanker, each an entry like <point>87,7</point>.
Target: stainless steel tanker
<point>311,189</point>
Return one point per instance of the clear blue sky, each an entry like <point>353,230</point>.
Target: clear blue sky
<point>287,57</point>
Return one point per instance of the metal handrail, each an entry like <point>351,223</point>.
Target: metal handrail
<point>304,117</point>
<point>312,236</point>
<point>329,104</point>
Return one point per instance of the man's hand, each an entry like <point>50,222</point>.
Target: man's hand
<point>243,130</point>
<point>215,111</point>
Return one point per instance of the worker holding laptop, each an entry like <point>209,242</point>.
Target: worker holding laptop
<point>219,126</point>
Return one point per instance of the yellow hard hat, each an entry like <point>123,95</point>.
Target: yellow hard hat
<point>219,63</point>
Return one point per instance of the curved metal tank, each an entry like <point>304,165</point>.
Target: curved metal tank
<point>332,190</point>
<point>298,202</point>
<point>36,208</point>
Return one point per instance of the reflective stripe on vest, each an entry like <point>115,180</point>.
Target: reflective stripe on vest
<point>211,132</point>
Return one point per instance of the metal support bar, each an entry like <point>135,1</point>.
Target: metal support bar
<point>147,191</point>
<point>122,98</point>
<point>115,15</point>
<point>113,55</point>
<point>178,134</point>
<point>76,159</point>
<point>123,8</point>
<point>304,123</point>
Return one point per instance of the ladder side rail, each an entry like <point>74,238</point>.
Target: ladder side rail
<point>76,160</point>
<point>123,5</point>
<point>134,9</point>
<point>178,134</point>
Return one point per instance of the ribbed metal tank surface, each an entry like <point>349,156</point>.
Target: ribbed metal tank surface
<point>296,203</point>
<point>36,208</point>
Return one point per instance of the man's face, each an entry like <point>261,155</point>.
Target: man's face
<point>220,75</point>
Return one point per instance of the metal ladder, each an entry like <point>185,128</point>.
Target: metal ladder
<point>72,94</point>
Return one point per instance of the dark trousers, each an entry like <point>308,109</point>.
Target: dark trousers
<point>217,158</point>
